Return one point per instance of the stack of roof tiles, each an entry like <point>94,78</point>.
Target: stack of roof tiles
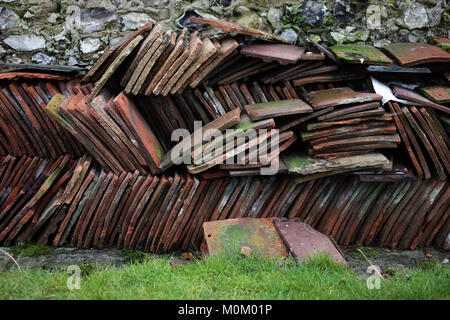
<point>92,163</point>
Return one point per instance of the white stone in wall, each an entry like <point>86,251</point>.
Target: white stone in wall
<point>133,21</point>
<point>415,17</point>
<point>96,19</point>
<point>27,42</point>
<point>42,58</point>
<point>8,19</point>
<point>89,45</point>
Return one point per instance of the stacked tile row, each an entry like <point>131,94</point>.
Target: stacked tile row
<point>62,202</point>
<point>26,128</point>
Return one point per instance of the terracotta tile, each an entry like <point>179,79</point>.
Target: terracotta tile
<point>412,54</point>
<point>276,109</point>
<point>165,210</point>
<point>109,218</point>
<point>328,124</point>
<point>357,131</point>
<point>100,211</point>
<point>218,238</point>
<point>299,233</point>
<point>235,28</point>
<point>425,140</point>
<point>360,54</point>
<point>338,96</point>
<point>114,66</point>
<point>181,58</point>
<point>148,143</point>
<point>321,48</point>
<point>247,72</point>
<point>228,46</point>
<point>298,164</point>
<point>439,94</point>
<point>437,142</point>
<point>311,72</point>
<point>34,75</point>
<point>284,72</point>
<point>312,55</point>
<point>111,54</point>
<point>207,51</point>
<point>349,110</point>
<point>410,95</point>
<point>151,57</point>
<point>138,213</point>
<point>156,37</point>
<point>143,48</point>
<point>221,123</point>
<point>282,53</point>
<point>328,77</point>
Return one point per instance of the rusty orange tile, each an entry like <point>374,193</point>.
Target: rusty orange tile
<point>412,54</point>
<point>283,53</point>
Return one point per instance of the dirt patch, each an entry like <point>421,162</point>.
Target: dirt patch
<point>389,260</point>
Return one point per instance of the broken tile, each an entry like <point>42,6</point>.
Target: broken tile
<point>304,242</point>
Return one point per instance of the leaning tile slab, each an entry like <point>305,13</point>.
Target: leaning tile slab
<point>304,165</point>
<point>114,66</point>
<point>439,94</point>
<point>111,54</point>
<point>412,54</point>
<point>360,54</point>
<point>282,53</point>
<point>228,236</point>
<point>416,97</point>
<point>304,242</point>
<point>208,50</point>
<point>338,96</point>
<point>272,109</point>
<point>149,144</point>
<point>236,28</point>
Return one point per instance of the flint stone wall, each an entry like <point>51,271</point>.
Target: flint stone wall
<point>77,32</point>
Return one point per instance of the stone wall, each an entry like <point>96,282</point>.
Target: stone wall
<point>76,32</point>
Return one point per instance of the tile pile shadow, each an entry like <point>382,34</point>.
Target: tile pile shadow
<point>92,162</point>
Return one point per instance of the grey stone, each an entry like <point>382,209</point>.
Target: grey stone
<point>350,34</point>
<point>8,19</point>
<point>73,61</point>
<point>13,59</point>
<point>415,16</point>
<point>344,11</point>
<point>183,21</point>
<point>158,4</point>
<point>89,45</point>
<point>25,42</point>
<point>313,11</point>
<point>43,8</point>
<point>42,58</point>
<point>96,19</point>
<point>289,35</point>
<point>133,21</point>
<point>381,43</point>
<point>435,14</point>
<point>274,17</point>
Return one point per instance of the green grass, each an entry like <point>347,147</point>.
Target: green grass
<point>368,252</point>
<point>226,278</point>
